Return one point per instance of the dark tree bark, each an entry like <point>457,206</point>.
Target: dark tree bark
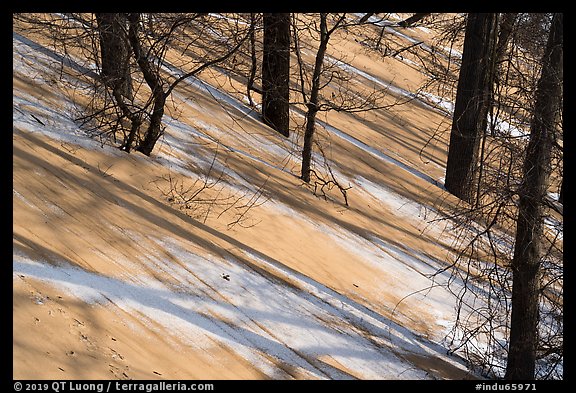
<point>276,72</point>
<point>527,252</point>
<point>253,60</point>
<point>313,101</point>
<point>473,98</point>
<point>413,19</point>
<point>115,52</point>
<point>154,82</point>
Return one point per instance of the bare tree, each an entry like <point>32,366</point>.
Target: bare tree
<point>490,256</point>
<point>153,75</point>
<point>525,317</point>
<point>313,102</point>
<point>137,76</point>
<point>320,69</point>
<point>325,73</point>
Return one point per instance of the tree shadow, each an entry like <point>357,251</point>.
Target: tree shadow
<point>112,191</point>
<point>125,295</point>
<point>65,61</point>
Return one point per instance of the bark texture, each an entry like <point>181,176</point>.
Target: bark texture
<point>473,98</point>
<point>115,52</point>
<point>276,72</point>
<point>522,353</point>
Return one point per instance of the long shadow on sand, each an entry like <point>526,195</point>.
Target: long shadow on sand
<point>354,312</point>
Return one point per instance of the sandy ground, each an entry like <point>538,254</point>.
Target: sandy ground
<point>104,211</point>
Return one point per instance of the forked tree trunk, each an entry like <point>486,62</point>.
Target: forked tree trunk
<point>471,107</point>
<point>153,81</point>
<point>527,251</point>
<point>276,72</point>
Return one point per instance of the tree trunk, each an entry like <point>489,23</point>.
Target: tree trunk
<point>155,129</point>
<point>308,142</point>
<point>313,102</point>
<point>115,52</point>
<point>473,98</point>
<point>253,60</point>
<point>505,32</point>
<point>527,252</point>
<point>276,72</point>
<point>153,81</point>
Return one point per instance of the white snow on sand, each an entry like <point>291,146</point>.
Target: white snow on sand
<point>261,309</point>
<point>251,313</point>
